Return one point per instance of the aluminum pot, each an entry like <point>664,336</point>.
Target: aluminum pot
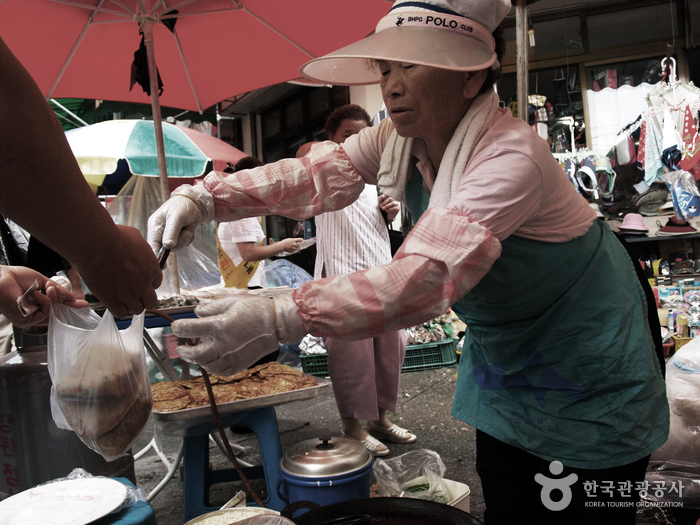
<point>384,511</point>
<point>325,470</point>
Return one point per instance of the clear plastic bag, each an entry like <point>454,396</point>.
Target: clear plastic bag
<point>100,379</point>
<point>676,482</point>
<point>683,392</point>
<point>281,272</point>
<point>684,193</point>
<point>197,264</point>
<point>133,494</point>
<point>416,474</point>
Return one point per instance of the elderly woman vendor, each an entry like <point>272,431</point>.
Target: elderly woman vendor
<point>559,373</point>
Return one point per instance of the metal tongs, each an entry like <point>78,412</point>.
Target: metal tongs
<point>163,257</point>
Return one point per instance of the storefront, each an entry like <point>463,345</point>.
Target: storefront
<point>591,63</point>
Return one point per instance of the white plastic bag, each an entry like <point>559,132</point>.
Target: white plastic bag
<point>100,378</point>
<point>416,474</point>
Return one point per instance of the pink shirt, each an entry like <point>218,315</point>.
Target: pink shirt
<point>511,186</point>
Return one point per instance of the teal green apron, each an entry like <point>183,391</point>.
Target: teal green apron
<point>548,364</point>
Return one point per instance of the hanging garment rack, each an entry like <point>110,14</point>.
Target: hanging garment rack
<point>673,96</point>
<point>669,96</point>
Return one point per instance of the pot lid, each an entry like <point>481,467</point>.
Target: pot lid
<point>326,456</point>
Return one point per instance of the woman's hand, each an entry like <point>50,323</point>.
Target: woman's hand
<point>390,206</point>
<point>237,331</point>
<point>16,280</point>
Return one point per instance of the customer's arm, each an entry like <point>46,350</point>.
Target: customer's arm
<point>252,252</point>
<point>44,191</point>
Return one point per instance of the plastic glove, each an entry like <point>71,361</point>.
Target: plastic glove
<point>172,226</point>
<point>239,330</point>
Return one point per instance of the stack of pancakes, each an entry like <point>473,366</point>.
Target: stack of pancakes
<point>261,380</point>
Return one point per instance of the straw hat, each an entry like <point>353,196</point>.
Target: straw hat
<point>449,34</point>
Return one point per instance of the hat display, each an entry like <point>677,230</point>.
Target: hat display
<point>585,175</point>
<point>675,226</point>
<point>633,222</point>
<point>448,34</point>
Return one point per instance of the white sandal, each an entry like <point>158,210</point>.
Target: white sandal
<point>375,446</point>
<point>394,433</point>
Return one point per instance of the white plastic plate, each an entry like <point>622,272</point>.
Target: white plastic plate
<point>69,502</point>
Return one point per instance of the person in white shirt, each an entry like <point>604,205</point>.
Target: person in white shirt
<point>241,239</point>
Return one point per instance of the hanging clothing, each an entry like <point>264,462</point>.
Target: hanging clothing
<point>649,153</point>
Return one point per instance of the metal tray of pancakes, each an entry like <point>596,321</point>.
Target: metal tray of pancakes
<point>183,405</point>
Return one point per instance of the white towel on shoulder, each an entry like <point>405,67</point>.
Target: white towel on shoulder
<point>396,163</point>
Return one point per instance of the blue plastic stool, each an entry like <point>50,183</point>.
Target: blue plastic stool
<point>140,513</point>
<point>198,477</point>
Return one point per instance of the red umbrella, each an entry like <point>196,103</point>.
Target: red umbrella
<point>204,50</point>
<point>214,49</point>
<point>218,48</point>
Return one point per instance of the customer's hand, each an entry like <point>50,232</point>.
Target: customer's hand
<point>172,226</point>
<point>390,206</point>
<point>239,330</point>
<point>124,276</point>
<point>289,245</point>
<point>16,280</point>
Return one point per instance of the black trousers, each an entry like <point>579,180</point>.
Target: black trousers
<point>512,493</point>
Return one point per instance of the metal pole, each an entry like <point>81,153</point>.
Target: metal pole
<point>146,23</point>
<point>522,57</point>
<point>69,112</point>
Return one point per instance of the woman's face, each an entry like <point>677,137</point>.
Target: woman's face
<point>426,102</point>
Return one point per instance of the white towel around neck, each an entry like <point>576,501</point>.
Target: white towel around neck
<point>395,166</point>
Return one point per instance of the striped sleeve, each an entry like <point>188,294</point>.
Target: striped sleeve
<point>444,256</point>
<point>324,180</point>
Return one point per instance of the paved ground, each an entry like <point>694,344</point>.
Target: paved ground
<point>424,407</point>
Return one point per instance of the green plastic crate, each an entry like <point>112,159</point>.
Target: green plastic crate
<point>442,354</point>
<point>315,364</point>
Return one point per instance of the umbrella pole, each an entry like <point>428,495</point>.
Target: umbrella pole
<point>146,23</point>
